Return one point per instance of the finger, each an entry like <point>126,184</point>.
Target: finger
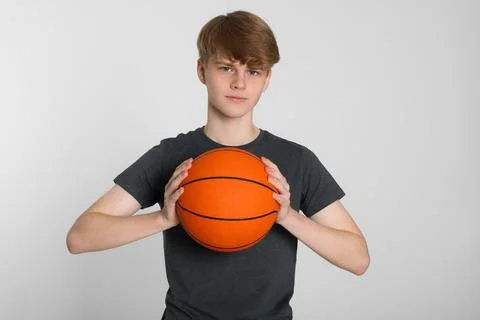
<point>175,183</point>
<point>173,198</point>
<point>176,194</point>
<point>281,187</point>
<point>276,183</point>
<point>274,170</point>
<point>269,163</point>
<point>187,164</point>
<point>282,199</point>
<point>276,174</point>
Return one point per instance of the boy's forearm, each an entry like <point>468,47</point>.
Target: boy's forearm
<point>94,231</point>
<point>344,249</point>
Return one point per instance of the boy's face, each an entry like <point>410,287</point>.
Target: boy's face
<point>233,88</point>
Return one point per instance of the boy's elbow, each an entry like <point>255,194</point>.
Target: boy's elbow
<point>362,266</point>
<point>73,242</point>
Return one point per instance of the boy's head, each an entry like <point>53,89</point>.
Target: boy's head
<point>241,36</point>
<point>237,52</point>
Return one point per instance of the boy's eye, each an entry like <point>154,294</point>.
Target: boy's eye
<point>225,68</point>
<point>254,73</point>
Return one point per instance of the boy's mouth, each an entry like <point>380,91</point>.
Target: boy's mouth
<point>236,98</point>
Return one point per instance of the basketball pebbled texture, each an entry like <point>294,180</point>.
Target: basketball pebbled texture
<point>227,203</point>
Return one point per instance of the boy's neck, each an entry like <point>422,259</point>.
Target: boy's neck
<point>231,134</point>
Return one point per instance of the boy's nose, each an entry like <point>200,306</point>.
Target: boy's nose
<point>238,81</point>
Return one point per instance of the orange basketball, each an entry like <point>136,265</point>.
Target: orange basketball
<point>227,203</point>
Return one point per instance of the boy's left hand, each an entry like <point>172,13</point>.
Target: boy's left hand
<point>280,182</point>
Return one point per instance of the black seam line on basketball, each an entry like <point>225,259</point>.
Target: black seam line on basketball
<point>227,177</point>
<point>225,219</point>
<point>231,149</point>
<point>226,248</point>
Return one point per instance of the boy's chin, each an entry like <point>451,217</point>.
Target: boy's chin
<point>232,112</point>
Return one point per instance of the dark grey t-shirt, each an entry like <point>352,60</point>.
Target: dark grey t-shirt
<point>256,283</point>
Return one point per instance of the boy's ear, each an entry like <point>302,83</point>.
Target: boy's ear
<point>201,71</point>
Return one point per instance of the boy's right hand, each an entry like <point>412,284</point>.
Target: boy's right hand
<point>168,214</point>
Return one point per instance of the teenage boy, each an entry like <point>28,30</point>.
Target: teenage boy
<point>236,55</point>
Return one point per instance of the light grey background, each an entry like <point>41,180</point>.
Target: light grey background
<point>386,93</point>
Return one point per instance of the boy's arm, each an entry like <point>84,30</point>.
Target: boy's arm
<point>332,234</point>
<point>110,222</point>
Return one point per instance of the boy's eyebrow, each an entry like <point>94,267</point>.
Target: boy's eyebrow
<point>231,62</point>
<point>223,61</point>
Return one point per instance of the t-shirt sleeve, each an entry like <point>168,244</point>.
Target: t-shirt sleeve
<point>143,178</point>
<point>319,187</point>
